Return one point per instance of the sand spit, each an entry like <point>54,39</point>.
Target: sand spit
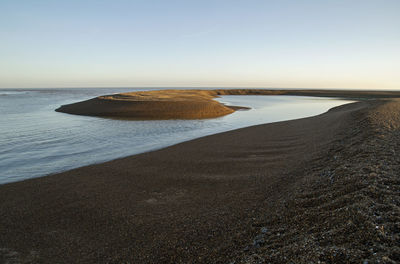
<point>187,104</point>
<point>321,189</point>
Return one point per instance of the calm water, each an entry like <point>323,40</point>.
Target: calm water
<point>35,140</point>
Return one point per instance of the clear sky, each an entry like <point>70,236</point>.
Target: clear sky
<point>228,43</point>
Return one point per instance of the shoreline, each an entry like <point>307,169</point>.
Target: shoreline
<point>237,195</point>
<point>190,104</point>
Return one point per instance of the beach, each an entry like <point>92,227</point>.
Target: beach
<point>322,188</point>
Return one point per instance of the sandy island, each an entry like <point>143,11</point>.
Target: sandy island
<point>164,104</point>
<point>320,189</point>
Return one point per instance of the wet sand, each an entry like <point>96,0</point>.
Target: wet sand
<point>323,188</point>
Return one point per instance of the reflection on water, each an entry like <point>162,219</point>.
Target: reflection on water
<point>268,109</point>
<point>35,140</point>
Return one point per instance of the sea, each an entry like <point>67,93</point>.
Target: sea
<point>36,141</point>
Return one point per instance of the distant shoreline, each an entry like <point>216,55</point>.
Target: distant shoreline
<point>190,104</point>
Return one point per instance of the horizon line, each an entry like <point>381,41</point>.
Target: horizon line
<point>200,87</point>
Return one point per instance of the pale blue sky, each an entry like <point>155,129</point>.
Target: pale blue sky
<point>246,43</point>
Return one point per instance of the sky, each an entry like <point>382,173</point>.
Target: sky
<point>202,43</point>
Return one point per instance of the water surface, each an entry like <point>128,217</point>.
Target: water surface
<point>36,141</point>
